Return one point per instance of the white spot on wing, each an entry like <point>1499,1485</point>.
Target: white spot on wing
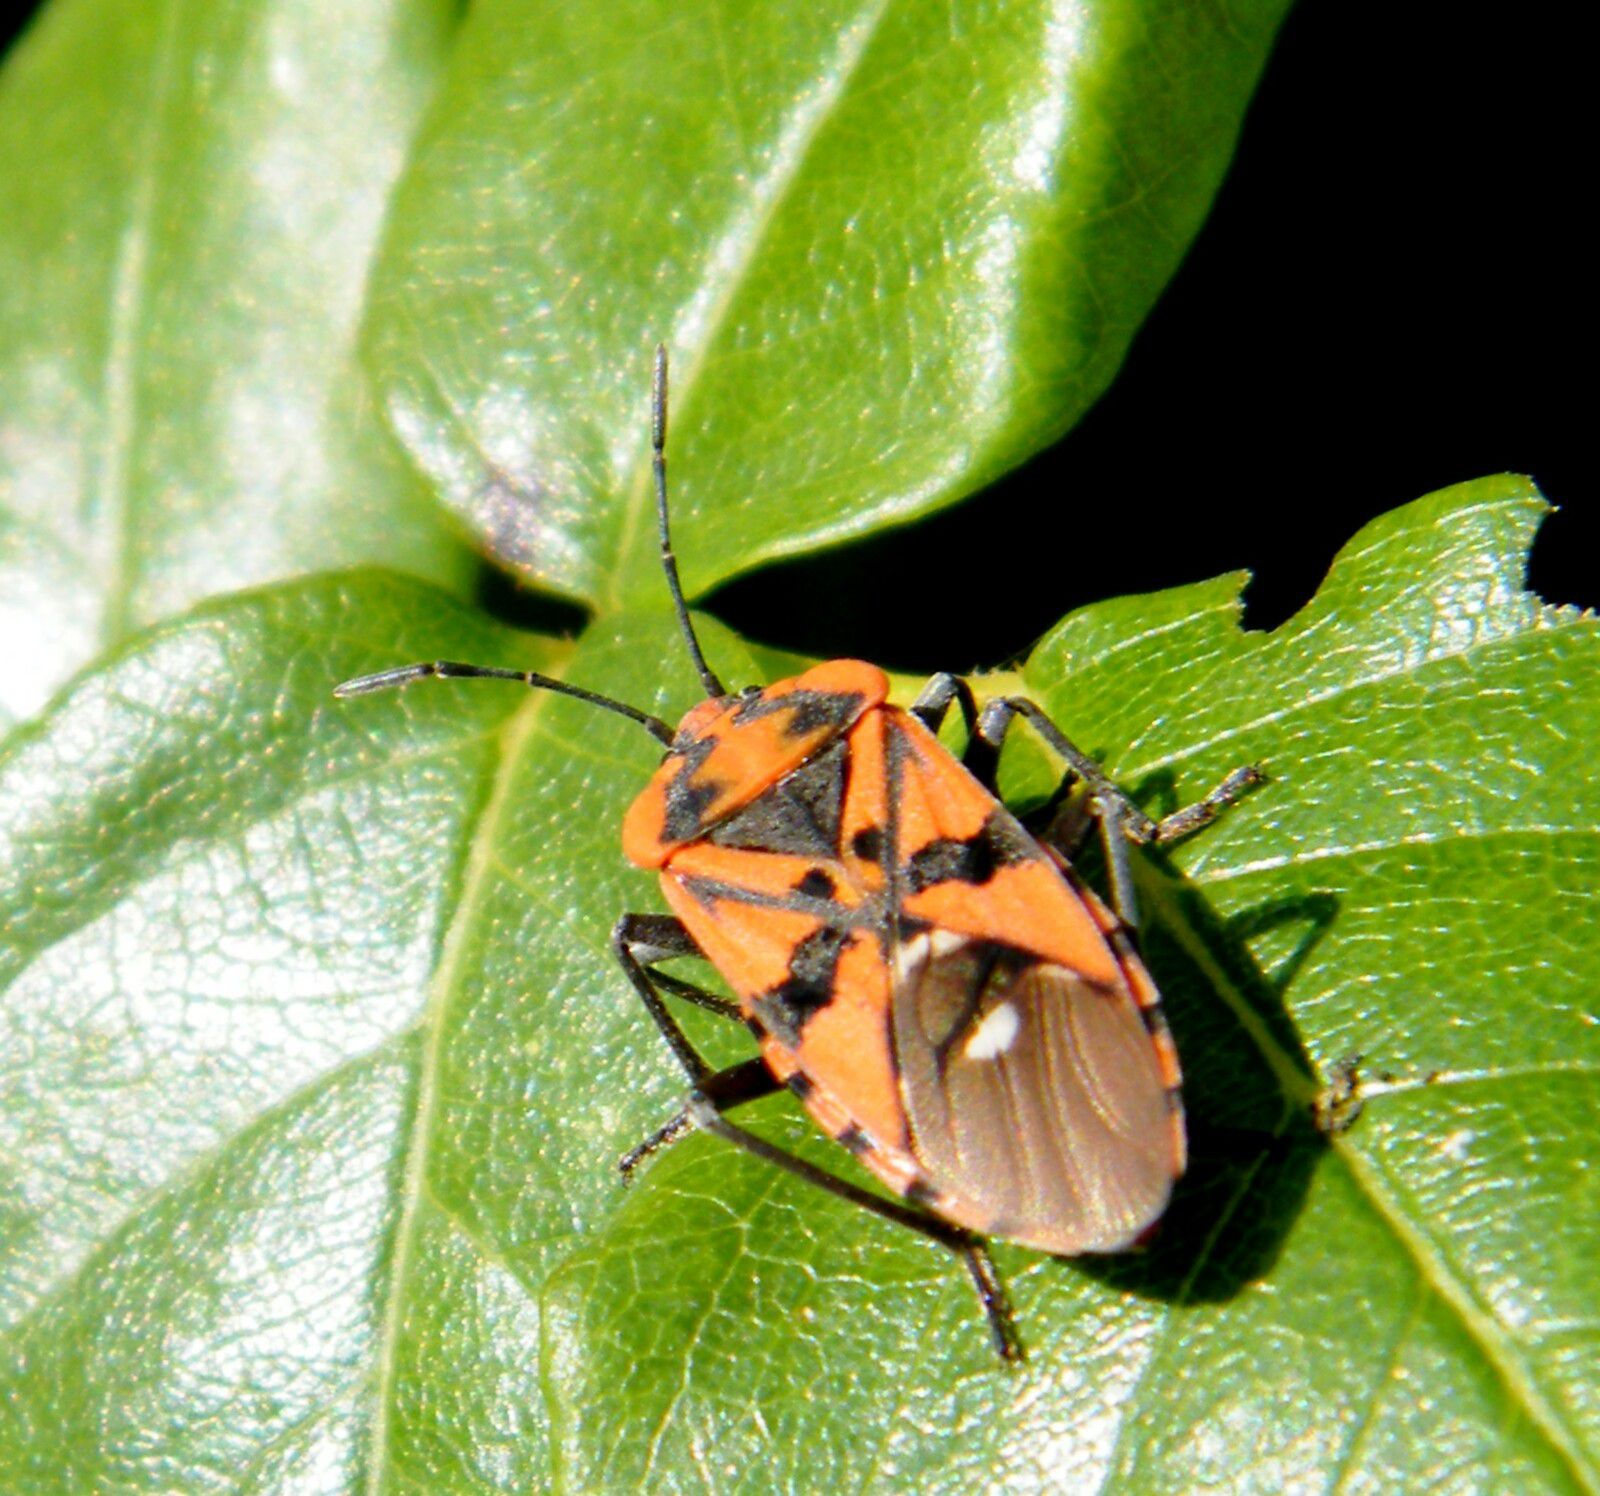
<point>996,1034</point>
<point>929,945</point>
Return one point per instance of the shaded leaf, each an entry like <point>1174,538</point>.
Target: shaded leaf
<point>315,1069</point>
<point>189,196</point>
<point>893,249</point>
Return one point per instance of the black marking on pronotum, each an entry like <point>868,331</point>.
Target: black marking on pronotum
<point>998,843</point>
<point>867,844</point>
<point>809,711</point>
<point>808,988</point>
<point>799,815</point>
<point>920,1192</point>
<point>686,800</point>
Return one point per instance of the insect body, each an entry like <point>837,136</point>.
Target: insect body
<point>945,997</point>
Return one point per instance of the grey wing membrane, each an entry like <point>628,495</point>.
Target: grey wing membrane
<point>1036,1100</point>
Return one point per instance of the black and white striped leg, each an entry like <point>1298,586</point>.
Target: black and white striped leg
<point>641,939</point>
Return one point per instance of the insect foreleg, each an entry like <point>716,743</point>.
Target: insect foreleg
<point>934,701</point>
<point>1121,820</point>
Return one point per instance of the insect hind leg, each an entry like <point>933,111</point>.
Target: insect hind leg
<point>974,1254</point>
<point>639,940</point>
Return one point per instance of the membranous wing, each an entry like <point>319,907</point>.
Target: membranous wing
<point>1040,1086</point>
<point>1037,1106</point>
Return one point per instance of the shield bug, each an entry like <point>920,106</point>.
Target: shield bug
<point>936,985</point>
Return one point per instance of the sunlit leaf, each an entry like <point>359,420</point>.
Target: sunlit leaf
<point>189,197</point>
<point>315,1070</point>
<point>893,251</point>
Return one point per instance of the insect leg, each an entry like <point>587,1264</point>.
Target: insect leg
<point>657,937</point>
<point>934,700</point>
<point>713,1003</point>
<point>1206,809</point>
<point>1121,821</point>
<point>703,1113</point>
<point>749,1081</point>
<point>640,939</point>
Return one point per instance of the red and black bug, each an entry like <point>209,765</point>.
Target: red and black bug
<point>942,993</point>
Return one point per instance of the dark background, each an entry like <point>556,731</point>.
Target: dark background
<point>1387,298</point>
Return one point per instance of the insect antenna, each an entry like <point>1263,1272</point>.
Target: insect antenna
<point>669,562</point>
<point>404,675</point>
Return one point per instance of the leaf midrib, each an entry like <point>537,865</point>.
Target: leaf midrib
<point>479,868</point>
<point>737,250</point>
<point>128,287</point>
<point>1502,1357</point>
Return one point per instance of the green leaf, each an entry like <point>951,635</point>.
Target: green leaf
<point>189,197</point>
<point>315,1069</point>
<point>893,250</point>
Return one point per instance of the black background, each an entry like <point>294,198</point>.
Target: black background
<point>1386,299</point>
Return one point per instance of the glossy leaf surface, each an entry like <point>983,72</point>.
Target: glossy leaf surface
<point>189,198</point>
<point>315,1068</point>
<point>893,250</point>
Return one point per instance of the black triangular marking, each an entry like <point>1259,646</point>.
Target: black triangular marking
<point>685,801</point>
<point>798,815</point>
<point>808,711</point>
